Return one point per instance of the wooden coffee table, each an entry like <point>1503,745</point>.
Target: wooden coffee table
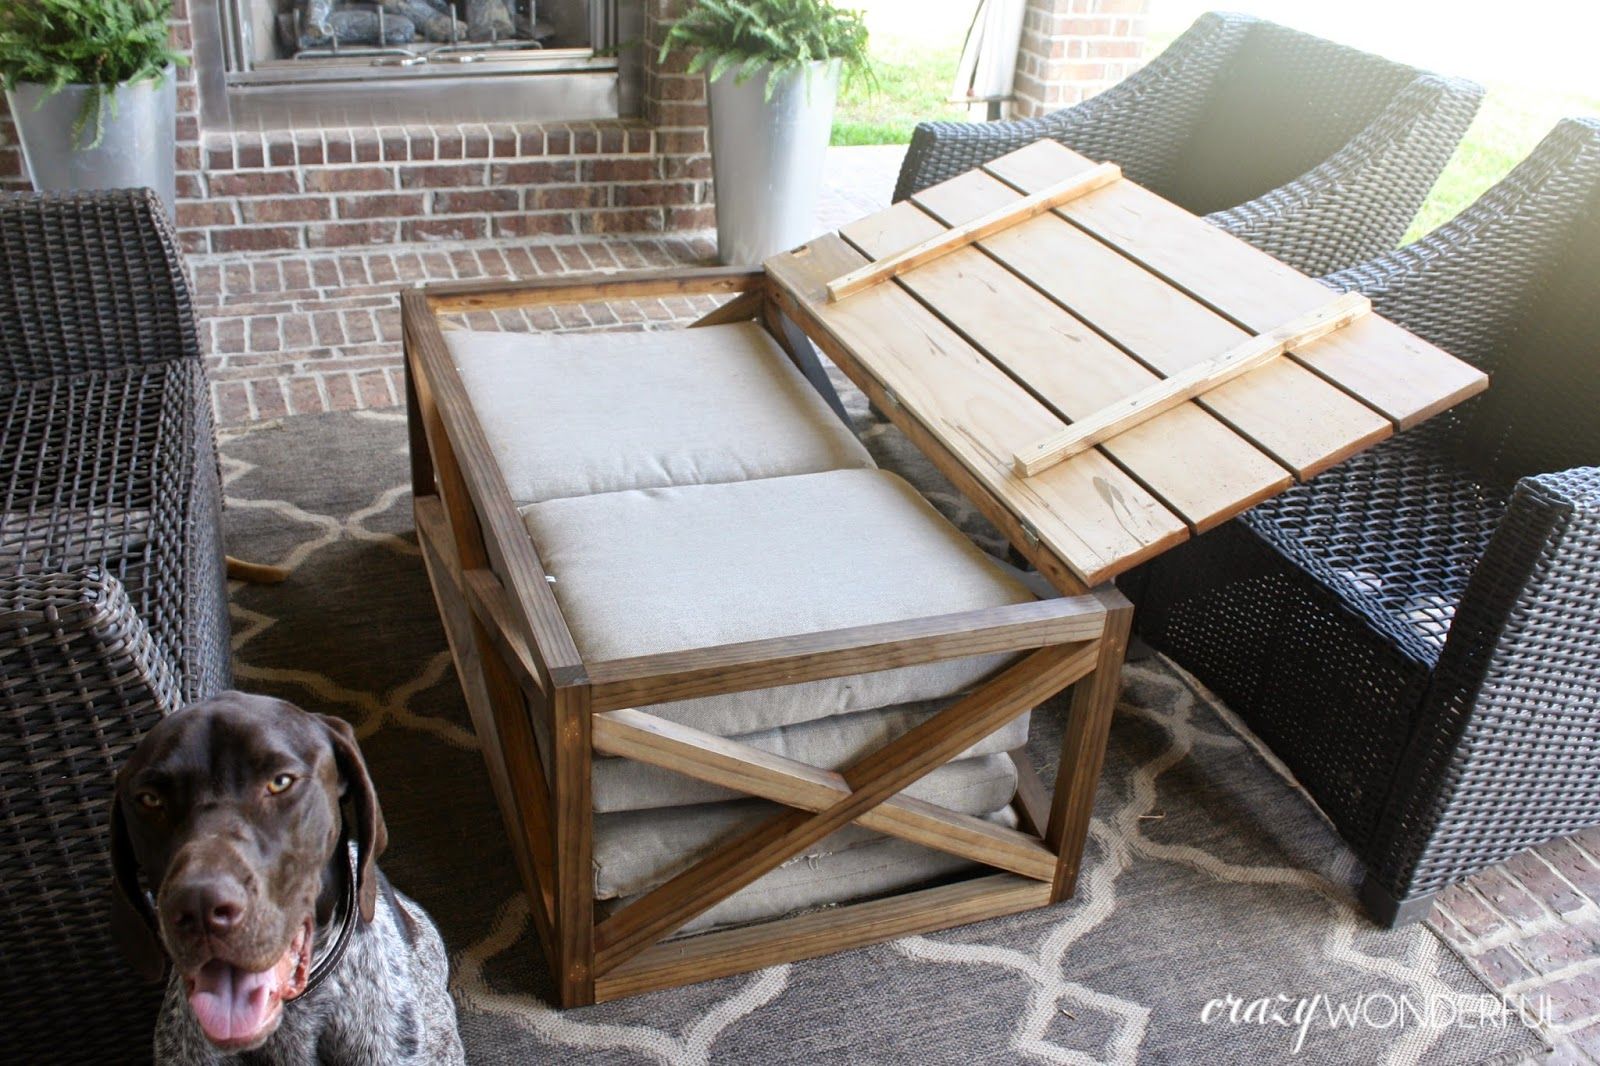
<point>1103,374</point>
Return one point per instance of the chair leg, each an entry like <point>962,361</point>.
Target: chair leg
<point>255,573</point>
<point>1389,912</point>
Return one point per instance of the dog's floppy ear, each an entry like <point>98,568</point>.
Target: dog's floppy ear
<point>133,922</point>
<point>371,834</point>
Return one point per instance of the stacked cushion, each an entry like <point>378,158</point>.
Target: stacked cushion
<point>689,489</point>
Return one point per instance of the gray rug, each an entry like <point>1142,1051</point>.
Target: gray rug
<point>1207,875</point>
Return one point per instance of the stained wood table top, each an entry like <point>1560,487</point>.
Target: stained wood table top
<point>1001,343</point>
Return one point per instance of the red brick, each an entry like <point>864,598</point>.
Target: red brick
<point>232,401</point>
<point>350,179</point>
<point>341,392</point>
<point>465,228</point>
<point>682,142</point>
<point>475,201</point>
<point>200,213</point>
<point>304,396</point>
<point>374,389</point>
<point>269,398</point>
<point>343,234</point>
<point>658,194</point>
<point>254,183</point>
<point>262,239</point>
<point>249,156</point>
<point>676,114</point>
<point>367,149</point>
<point>681,88</point>
<point>529,225</point>
<point>536,173</point>
<point>555,197</point>
<point>281,153</point>
<point>286,209</point>
<point>687,218</point>
<point>697,166</point>
<point>441,176</point>
<point>631,220</point>
<point>620,169</point>
<point>393,205</point>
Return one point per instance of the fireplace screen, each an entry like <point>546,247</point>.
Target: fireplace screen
<point>294,62</point>
<point>401,32</point>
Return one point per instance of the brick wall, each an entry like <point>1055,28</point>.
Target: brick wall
<point>346,188</point>
<point>1072,49</point>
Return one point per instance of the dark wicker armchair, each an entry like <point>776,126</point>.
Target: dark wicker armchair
<point>1416,633</point>
<point>112,608</point>
<point>1316,153</point>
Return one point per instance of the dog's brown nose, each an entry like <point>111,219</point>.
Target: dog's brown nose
<point>208,906</point>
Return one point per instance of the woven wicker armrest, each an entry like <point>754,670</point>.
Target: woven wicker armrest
<point>1140,123</point>
<point>81,683</point>
<point>1506,752</point>
<point>1464,285</point>
<point>90,281</point>
<point>1383,175</point>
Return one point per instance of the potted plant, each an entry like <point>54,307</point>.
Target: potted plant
<point>772,75</point>
<point>92,93</point>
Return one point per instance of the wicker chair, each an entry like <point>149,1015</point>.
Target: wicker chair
<point>1416,633</point>
<point>112,608</point>
<point>1314,152</point>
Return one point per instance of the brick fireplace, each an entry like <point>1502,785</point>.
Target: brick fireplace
<point>328,186</point>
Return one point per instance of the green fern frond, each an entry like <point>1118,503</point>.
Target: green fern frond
<point>785,35</point>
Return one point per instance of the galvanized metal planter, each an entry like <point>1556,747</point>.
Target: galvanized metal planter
<point>136,147</point>
<point>766,158</point>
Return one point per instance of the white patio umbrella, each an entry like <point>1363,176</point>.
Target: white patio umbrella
<point>989,58</point>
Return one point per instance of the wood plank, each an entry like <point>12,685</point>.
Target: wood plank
<point>1392,370</point>
<point>1091,515</point>
<point>871,779</point>
<point>453,297</point>
<point>1304,422</point>
<point>1083,747</point>
<point>1146,404</point>
<point>1214,476</point>
<point>741,308</point>
<point>483,502</point>
<point>790,660</point>
<point>731,764</point>
<point>574,825</point>
<point>908,258</point>
<point>437,555</point>
<point>713,955</point>
<point>1032,801</point>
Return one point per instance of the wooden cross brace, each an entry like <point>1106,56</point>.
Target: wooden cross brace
<point>826,800</point>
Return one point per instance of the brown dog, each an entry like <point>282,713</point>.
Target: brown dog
<point>257,830</point>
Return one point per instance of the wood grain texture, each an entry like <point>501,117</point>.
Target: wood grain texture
<point>1089,512</point>
<point>871,779</point>
<point>1083,746</point>
<point>1303,422</point>
<point>661,678</point>
<point>893,264</point>
<point>439,558</point>
<point>574,824</point>
<point>1214,475</point>
<point>750,770</point>
<point>713,955</point>
<point>1191,382</point>
<point>453,430</point>
<point>1390,369</point>
<point>459,296</point>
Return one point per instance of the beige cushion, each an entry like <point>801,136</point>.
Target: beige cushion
<point>868,869</point>
<point>569,414</point>
<point>625,785</point>
<point>662,570</point>
<point>637,850</point>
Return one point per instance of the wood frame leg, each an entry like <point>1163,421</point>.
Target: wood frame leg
<point>1083,747</point>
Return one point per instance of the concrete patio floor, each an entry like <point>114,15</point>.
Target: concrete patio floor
<point>308,332</point>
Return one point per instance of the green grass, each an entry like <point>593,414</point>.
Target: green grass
<point>1511,121</point>
<point>910,84</point>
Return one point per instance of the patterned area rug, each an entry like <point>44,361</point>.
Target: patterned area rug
<point>1214,922</point>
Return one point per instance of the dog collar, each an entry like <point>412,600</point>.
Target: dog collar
<point>345,919</point>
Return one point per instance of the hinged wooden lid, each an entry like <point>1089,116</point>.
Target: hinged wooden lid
<point>1114,299</point>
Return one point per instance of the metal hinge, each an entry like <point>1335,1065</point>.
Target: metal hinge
<point>890,398</point>
<point>1029,534</point>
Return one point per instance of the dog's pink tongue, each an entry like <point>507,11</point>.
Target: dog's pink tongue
<point>230,1003</point>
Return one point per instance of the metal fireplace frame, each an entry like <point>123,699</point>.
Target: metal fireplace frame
<point>533,85</point>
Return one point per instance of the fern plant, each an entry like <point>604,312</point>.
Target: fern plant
<point>786,35</point>
<point>98,43</point>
